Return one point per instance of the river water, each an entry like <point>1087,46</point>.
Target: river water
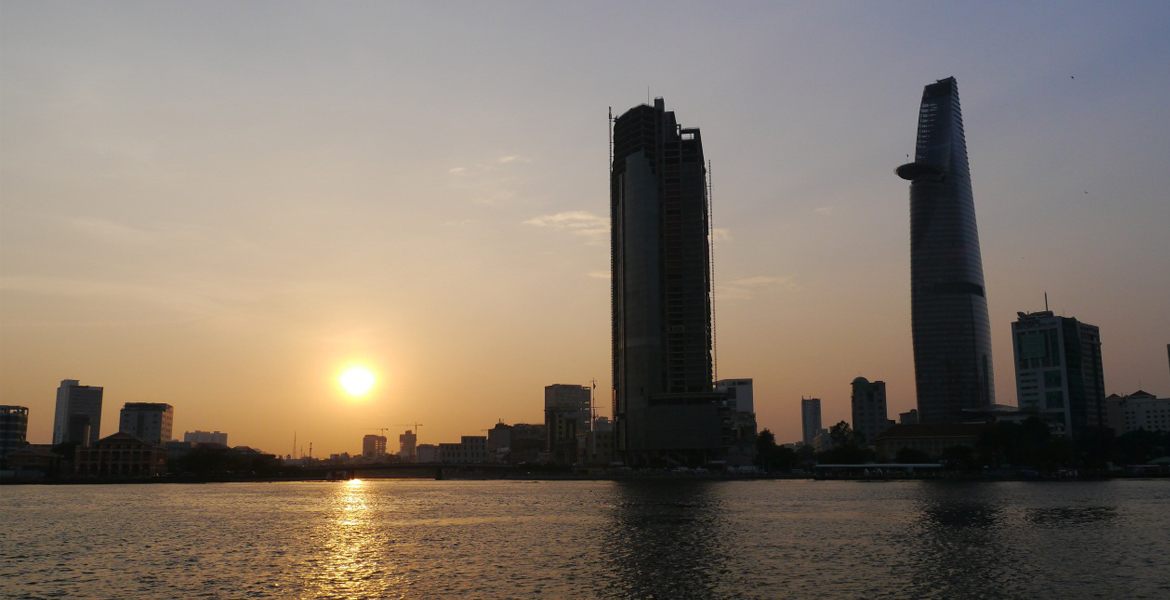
<point>587,539</point>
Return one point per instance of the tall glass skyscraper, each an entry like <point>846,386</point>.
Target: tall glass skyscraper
<point>948,303</point>
<point>665,406</point>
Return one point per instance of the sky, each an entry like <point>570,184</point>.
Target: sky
<point>221,205</point>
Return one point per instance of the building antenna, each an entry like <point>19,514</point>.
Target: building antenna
<point>711,257</point>
<point>609,126</point>
<point>1046,301</point>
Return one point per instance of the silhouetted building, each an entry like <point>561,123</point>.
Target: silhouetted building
<point>123,456</point>
<point>664,403</point>
<point>1138,411</point>
<point>148,421</point>
<point>13,429</point>
<point>869,409</point>
<point>948,302</point>
<point>373,446</point>
<point>1058,372</point>
<point>75,399</point>
<point>810,420</point>
<point>205,437</point>
<point>407,442</point>
<point>528,443</point>
<point>566,418</point>
<point>909,417</point>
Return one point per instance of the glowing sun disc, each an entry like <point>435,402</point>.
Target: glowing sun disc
<point>356,381</point>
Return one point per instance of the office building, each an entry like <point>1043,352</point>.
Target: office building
<point>373,446</point>
<point>1139,411</point>
<point>948,301</point>
<point>74,399</point>
<point>869,409</point>
<point>665,407</point>
<point>810,420</point>
<point>567,418</point>
<point>205,437</point>
<point>148,421</point>
<point>1058,372</point>
<point>13,428</point>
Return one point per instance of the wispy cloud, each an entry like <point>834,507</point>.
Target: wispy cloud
<point>113,232</point>
<point>745,289</point>
<point>599,274</point>
<point>456,170</point>
<point>578,222</point>
<point>503,160</point>
<point>826,211</point>
<point>720,234</point>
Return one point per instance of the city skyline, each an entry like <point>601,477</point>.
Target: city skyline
<point>220,207</point>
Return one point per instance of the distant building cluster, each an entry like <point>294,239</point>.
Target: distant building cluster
<point>1058,365</point>
<point>143,446</point>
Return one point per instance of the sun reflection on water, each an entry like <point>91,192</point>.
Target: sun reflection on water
<point>353,548</point>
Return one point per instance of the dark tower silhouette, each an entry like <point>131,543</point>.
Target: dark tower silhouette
<point>664,403</point>
<point>948,303</point>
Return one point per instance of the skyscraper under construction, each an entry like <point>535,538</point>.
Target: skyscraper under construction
<point>665,407</point>
<point>948,302</point>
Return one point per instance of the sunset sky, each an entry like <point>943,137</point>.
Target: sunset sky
<point>222,206</point>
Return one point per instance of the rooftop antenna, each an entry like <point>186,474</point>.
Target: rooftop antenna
<point>1046,301</point>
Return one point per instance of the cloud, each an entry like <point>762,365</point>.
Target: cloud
<point>826,211</point>
<point>456,170</point>
<point>745,289</point>
<point>503,160</point>
<point>599,274</point>
<point>578,222</point>
<point>720,234</point>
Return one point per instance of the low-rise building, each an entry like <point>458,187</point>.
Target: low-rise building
<point>1139,410</point>
<point>929,438</point>
<point>205,437</point>
<point>121,455</point>
<point>471,449</point>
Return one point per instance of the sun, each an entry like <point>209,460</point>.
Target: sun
<point>357,381</point>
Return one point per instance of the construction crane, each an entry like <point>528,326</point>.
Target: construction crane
<point>415,425</point>
<point>382,429</point>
